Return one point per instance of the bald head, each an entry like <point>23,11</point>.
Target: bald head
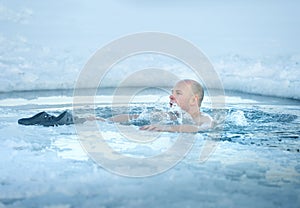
<point>196,88</point>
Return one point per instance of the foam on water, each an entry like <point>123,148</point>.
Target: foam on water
<point>238,118</point>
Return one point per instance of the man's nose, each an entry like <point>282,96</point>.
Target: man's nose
<point>172,97</point>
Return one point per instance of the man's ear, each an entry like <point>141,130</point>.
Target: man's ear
<point>194,100</point>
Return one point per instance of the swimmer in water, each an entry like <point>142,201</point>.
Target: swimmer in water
<point>186,94</point>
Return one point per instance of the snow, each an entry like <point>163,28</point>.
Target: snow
<point>44,48</point>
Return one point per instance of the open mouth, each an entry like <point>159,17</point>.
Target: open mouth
<point>172,104</point>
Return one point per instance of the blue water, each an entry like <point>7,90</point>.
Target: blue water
<point>255,162</point>
<point>249,125</point>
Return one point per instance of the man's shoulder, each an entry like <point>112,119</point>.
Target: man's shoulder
<point>206,120</point>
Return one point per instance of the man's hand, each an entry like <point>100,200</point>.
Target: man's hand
<point>171,128</point>
<point>93,118</point>
<point>156,128</point>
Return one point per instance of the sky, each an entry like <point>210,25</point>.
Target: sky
<point>251,28</point>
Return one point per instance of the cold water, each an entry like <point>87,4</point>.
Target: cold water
<point>255,161</point>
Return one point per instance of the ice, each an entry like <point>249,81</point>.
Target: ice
<point>39,56</point>
<point>273,76</point>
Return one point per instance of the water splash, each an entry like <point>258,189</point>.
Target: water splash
<point>237,118</point>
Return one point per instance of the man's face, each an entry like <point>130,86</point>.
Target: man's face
<point>181,95</point>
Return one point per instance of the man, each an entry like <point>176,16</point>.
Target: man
<point>187,94</point>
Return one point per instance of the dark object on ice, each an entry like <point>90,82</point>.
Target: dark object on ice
<point>45,119</point>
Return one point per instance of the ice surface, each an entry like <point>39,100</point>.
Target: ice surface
<point>46,47</point>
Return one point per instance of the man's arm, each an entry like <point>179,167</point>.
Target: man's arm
<point>172,128</point>
<point>122,118</point>
<point>184,128</point>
